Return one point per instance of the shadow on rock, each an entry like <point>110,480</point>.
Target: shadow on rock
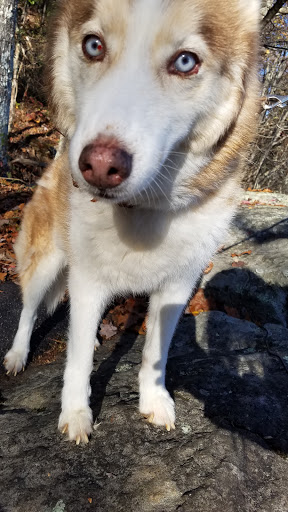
<point>236,368</point>
<point>273,232</point>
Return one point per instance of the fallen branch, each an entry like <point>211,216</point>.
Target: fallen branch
<point>28,162</point>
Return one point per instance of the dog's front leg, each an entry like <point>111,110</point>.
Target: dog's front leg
<point>166,306</point>
<point>87,304</point>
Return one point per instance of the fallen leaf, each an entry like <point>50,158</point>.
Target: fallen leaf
<point>107,330</point>
<point>196,313</point>
<point>2,276</point>
<point>238,264</point>
<point>200,303</point>
<point>209,268</point>
<point>142,329</point>
<point>249,189</point>
<point>235,255</point>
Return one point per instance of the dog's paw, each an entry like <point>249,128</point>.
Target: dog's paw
<point>15,361</point>
<point>158,407</point>
<point>77,424</point>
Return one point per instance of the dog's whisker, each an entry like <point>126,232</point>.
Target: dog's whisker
<point>147,195</point>
<point>166,177</point>
<point>155,180</point>
<point>149,188</point>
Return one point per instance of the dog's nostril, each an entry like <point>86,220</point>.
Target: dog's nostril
<point>112,171</point>
<point>105,166</point>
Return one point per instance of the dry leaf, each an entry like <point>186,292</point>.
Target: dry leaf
<point>107,330</point>
<point>238,264</point>
<point>200,303</point>
<point>235,255</point>
<point>209,268</point>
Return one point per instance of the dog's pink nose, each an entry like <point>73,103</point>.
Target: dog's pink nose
<point>104,164</point>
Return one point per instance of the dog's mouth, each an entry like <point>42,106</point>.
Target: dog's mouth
<point>103,194</point>
<point>112,198</point>
<point>107,196</point>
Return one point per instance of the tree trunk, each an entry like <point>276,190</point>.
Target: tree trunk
<point>272,11</point>
<point>8,12</point>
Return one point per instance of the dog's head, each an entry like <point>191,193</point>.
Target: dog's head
<point>149,91</point>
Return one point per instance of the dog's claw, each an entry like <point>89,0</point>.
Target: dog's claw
<point>86,439</point>
<point>78,439</point>
<point>65,428</point>
<point>151,417</point>
<point>8,373</point>
<point>173,426</point>
<point>168,427</point>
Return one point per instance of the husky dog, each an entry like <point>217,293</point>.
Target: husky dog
<point>157,100</point>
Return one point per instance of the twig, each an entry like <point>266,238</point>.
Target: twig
<point>28,161</point>
<point>18,179</point>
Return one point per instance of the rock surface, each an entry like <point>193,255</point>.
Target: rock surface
<point>229,378</point>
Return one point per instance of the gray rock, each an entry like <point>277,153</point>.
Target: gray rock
<point>259,289</point>
<point>229,379</point>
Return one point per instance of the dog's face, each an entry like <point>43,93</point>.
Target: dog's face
<point>147,89</point>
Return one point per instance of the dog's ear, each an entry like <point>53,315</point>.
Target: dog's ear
<point>250,10</point>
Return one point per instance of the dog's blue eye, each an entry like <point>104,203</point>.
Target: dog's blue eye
<point>93,48</point>
<point>185,63</point>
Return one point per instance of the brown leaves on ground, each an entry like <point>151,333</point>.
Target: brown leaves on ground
<point>252,203</point>
<point>200,303</point>
<point>128,314</point>
<point>32,141</point>
<point>235,255</point>
<point>249,189</point>
<point>9,228</point>
<point>51,354</point>
<point>203,302</point>
<point>239,263</point>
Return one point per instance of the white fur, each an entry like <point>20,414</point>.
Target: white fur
<point>161,245</point>
<point>132,251</point>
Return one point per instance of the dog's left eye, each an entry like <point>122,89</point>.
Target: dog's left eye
<point>93,48</point>
<point>185,63</point>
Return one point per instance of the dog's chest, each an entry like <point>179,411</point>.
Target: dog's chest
<point>129,249</point>
<point>135,250</point>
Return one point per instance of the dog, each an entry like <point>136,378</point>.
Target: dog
<point>157,101</point>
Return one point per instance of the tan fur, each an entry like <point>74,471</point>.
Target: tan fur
<point>230,153</point>
<point>50,200</point>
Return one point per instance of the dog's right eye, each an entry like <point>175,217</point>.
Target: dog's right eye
<point>93,48</point>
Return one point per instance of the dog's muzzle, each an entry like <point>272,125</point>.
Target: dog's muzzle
<point>105,164</point>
